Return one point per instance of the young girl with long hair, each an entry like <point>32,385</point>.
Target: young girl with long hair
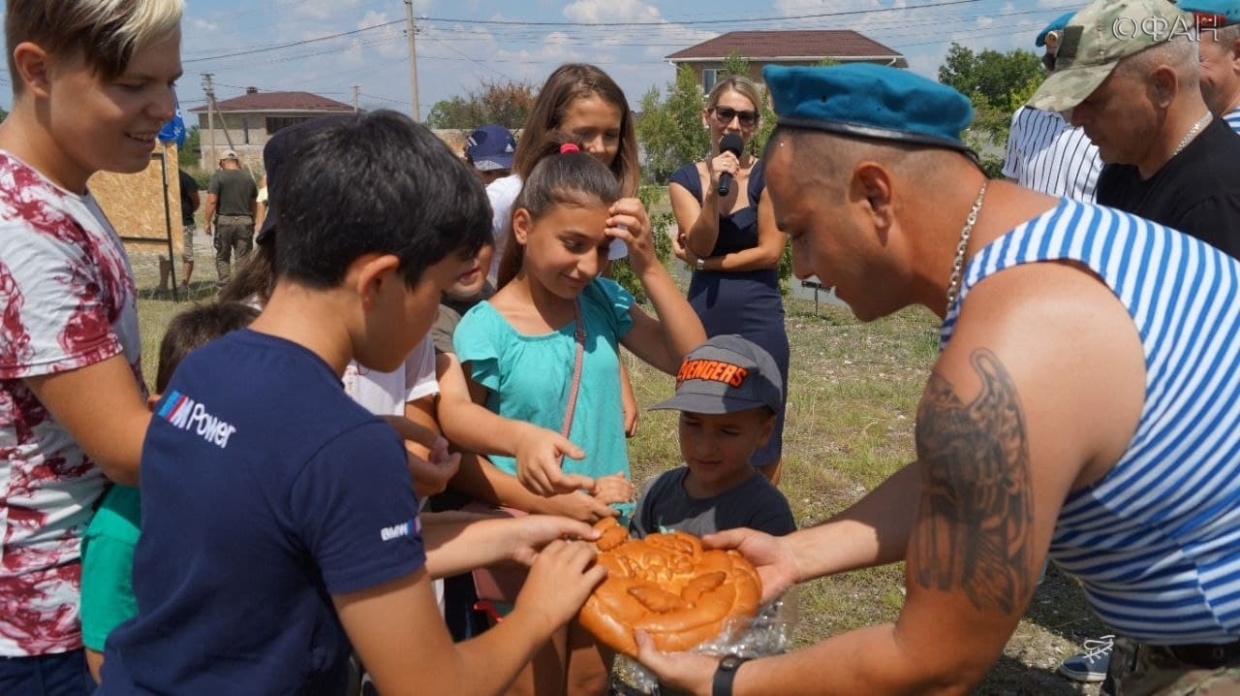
<point>519,353</point>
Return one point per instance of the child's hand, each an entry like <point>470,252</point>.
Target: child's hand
<point>614,489</point>
<point>539,456</point>
<point>578,506</point>
<point>630,224</point>
<point>414,432</point>
<point>531,533</point>
<point>560,581</point>
<point>678,247</point>
<point>431,475</point>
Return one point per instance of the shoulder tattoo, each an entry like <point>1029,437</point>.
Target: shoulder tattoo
<point>975,521</point>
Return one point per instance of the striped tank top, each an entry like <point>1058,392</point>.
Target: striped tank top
<point>1233,119</point>
<point>1156,542</point>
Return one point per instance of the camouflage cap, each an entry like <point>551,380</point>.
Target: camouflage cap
<point>1097,38</point>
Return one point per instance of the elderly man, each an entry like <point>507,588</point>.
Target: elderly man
<point>1083,405</point>
<point>1128,72</point>
<point>1219,22</point>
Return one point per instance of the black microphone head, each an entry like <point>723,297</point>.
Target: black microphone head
<point>731,143</point>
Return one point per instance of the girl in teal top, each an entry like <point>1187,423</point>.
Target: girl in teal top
<point>518,354</point>
<point>518,348</point>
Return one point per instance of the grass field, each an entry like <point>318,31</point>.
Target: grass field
<point>853,396</point>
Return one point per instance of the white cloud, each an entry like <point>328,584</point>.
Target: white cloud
<point>596,11</point>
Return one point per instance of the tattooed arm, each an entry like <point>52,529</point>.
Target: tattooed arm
<point>1012,419</point>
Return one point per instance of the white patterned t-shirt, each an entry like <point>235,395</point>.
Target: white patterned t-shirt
<point>67,301</point>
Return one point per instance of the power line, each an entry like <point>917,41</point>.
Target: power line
<point>700,22</point>
<point>303,42</point>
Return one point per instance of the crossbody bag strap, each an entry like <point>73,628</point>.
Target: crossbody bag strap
<point>580,335</point>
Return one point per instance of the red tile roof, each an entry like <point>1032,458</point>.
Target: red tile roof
<point>789,45</point>
<point>277,101</point>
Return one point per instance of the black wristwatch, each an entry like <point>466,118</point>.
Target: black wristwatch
<point>722,685</point>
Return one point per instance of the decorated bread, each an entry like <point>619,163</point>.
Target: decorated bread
<point>668,586</point>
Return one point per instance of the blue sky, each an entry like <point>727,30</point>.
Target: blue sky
<point>462,43</point>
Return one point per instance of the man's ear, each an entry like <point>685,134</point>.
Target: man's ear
<point>372,273</point>
<point>1164,84</point>
<point>872,182</point>
<point>33,68</point>
<point>521,225</point>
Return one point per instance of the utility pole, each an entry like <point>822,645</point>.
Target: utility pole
<point>356,93</point>
<point>209,88</point>
<point>413,61</point>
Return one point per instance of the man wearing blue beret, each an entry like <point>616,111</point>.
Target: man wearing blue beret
<point>1083,406</point>
<point>1218,24</point>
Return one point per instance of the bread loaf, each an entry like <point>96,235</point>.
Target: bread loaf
<point>668,586</point>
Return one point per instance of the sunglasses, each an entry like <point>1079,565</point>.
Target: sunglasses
<point>725,114</point>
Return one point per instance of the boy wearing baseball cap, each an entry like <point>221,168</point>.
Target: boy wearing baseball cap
<point>728,391</point>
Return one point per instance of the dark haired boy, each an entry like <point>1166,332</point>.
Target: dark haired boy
<point>107,547</point>
<point>279,520</point>
<point>728,391</point>
<point>92,86</point>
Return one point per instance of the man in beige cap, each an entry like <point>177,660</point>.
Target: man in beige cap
<point>232,206</point>
<point>1127,72</point>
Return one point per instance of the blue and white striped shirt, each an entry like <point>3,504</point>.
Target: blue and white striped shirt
<point>1046,153</point>
<point>1156,542</point>
<point>1233,119</point>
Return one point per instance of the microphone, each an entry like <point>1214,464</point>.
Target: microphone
<point>730,143</point>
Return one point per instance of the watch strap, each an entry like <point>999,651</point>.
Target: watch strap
<point>725,673</point>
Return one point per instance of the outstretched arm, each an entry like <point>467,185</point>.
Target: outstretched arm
<point>661,342</point>
<point>1010,422</point>
<point>471,426</point>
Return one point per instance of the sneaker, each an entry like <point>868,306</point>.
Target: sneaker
<point>1091,665</point>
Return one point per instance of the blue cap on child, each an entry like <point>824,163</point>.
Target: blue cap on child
<point>727,374</point>
<point>491,147</point>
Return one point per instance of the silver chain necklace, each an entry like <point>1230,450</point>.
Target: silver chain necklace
<point>1188,137</point>
<point>953,283</point>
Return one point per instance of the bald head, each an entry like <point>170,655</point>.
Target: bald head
<point>826,161</point>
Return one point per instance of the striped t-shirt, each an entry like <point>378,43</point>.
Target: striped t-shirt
<point>1233,119</point>
<point>1156,542</point>
<point>1046,153</point>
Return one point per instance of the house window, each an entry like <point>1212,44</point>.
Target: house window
<point>709,77</point>
<point>276,124</point>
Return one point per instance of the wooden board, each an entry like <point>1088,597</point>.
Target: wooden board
<point>135,203</point>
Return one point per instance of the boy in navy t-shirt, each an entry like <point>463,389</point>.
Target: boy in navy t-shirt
<point>279,523</point>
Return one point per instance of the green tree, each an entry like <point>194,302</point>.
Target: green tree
<point>190,154</point>
<point>505,103</point>
<point>670,131</point>
<point>997,84</point>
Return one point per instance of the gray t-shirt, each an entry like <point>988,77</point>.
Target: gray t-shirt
<point>664,506</point>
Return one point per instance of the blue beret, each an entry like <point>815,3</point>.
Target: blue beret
<point>869,101</point>
<point>1056,25</point>
<point>1229,10</point>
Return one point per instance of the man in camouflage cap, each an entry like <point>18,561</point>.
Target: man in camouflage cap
<point>1127,72</point>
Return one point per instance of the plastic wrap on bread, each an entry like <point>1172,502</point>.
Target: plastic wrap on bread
<point>669,586</point>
